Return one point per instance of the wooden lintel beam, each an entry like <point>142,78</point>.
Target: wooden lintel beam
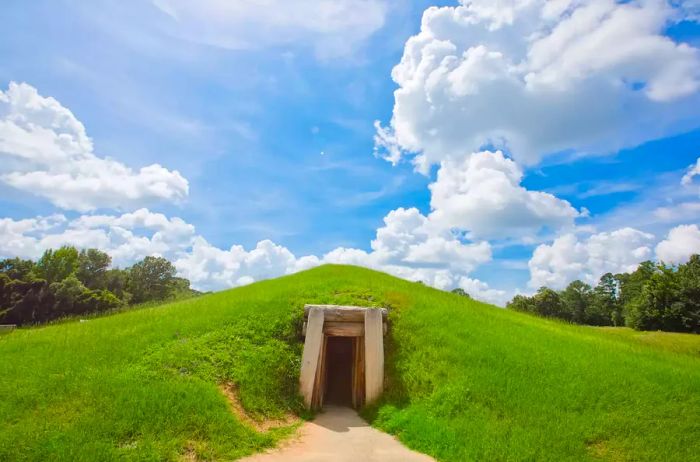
<point>339,329</point>
<point>341,313</point>
<point>344,329</point>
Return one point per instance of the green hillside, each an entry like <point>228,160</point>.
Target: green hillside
<point>466,381</point>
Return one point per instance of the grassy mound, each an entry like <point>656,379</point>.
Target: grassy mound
<point>466,381</point>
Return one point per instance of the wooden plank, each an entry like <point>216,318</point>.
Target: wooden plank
<point>321,378</point>
<point>339,327</point>
<point>341,313</point>
<point>374,355</point>
<point>324,374</point>
<point>355,372</point>
<point>310,357</point>
<point>358,373</point>
<point>344,329</point>
<point>361,384</point>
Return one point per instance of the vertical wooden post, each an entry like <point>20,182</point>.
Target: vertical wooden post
<point>311,355</point>
<point>374,355</point>
<point>358,372</point>
<point>320,383</point>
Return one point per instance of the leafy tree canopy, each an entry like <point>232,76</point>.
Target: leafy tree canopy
<point>68,282</point>
<point>653,297</point>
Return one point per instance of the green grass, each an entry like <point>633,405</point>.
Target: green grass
<point>466,381</point>
<point>671,341</point>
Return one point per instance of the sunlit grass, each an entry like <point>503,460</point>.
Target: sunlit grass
<point>466,381</point>
<point>671,341</point>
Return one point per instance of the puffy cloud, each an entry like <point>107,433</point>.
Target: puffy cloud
<point>410,238</point>
<point>127,238</point>
<point>540,77</point>
<point>692,172</point>
<point>411,246</point>
<point>332,27</point>
<point>408,246</point>
<point>569,258</point>
<point>210,268</point>
<point>481,291</point>
<point>46,151</point>
<point>16,236</point>
<point>680,243</point>
<point>481,193</point>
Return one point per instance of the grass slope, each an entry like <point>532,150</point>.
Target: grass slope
<point>466,381</point>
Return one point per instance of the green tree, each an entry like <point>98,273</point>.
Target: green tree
<point>96,301</point>
<point>576,300</point>
<point>522,303</point>
<point>689,294</point>
<point>92,266</point>
<point>16,268</point>
<point>5,295</point>
<point>66,282</point>
<point>181,288</point>
<point>606,308</point>
<point>67,294</point>
<point>653,297</point>
<point>548,303</point>
<point>151,279</point>
<point>71,297</point>
<point>56,265</point>
<point>461,292</point>
<point>632,284</point>
<point>29,302</point>
<point>117,281</point>
<point>657,306</point>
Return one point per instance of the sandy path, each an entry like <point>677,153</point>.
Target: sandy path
<point>338,434</point>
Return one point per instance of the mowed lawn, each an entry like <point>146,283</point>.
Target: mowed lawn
<point>466,381</point>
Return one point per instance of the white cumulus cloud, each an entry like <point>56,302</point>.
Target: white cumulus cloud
<point>408,246</point>
<point>408,237</point>
<point>680,243</point>
<point>481,193</point>
<point>481,291</point>
<point>127,238</point>
<point>411,246</point>
<point>569,257</point>
<point>210,268</point>
<point>45,151</point>
<point>539,77</point>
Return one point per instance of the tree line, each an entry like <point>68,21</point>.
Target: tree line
<point>653,297</point>
<point>67,282</point>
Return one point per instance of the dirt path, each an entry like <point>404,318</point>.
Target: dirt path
<point>338,434</point>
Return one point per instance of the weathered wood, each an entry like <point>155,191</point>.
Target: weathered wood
<point>312,352</point>
<point>321,378</point>
<point>338,313</point>
<point>358,373</point>
<point>339,329</point>
<point>344,329</point>
<point>355,372</point>
<point>374,355</point>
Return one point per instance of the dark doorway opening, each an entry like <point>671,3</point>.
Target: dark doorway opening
<point>339,361</point>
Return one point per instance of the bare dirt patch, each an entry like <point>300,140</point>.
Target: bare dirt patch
<point>230,391</point>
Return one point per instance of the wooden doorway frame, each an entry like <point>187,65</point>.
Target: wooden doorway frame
<point>367,327</point>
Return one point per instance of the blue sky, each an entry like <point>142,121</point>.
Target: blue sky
<point>262,120</point>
